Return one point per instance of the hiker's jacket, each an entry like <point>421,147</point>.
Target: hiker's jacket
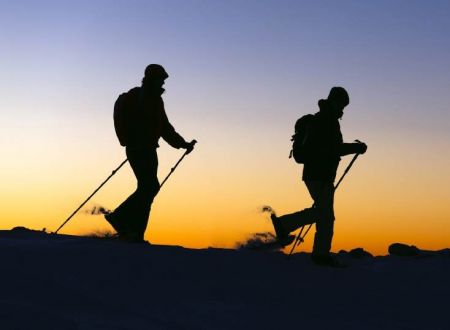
<point>149,122</point>
<point>323,146</point>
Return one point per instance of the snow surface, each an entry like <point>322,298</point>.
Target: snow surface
<point>66,282</point>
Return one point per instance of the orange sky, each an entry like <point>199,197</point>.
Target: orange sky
<point>213,198</point>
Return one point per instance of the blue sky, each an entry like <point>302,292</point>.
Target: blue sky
<point>288,47</point>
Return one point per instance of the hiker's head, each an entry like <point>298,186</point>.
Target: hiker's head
<point>154,75</point>
<point>338,99</point>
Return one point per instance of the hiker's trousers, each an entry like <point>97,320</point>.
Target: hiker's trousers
<point>322,213</point>
<point>135,210</point>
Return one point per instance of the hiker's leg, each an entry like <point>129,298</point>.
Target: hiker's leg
<point>146,193</point>
<point>323,195</point>
<point>135,210</point>
<point>293,221</point>
<point>145,166</point>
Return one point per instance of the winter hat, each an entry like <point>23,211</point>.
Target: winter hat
<point>155,71</point>
<point>339,93</point>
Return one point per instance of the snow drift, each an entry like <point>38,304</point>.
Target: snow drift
<point>67,282</point>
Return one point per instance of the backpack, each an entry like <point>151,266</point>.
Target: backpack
<point>123,108</point>
<point>300,138</point>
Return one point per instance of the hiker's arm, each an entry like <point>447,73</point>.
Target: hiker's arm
<point>171,136</point>
<point>352,148</point>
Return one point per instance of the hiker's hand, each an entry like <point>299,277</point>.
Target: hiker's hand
<point>190,146</point>
<point>360,147</point>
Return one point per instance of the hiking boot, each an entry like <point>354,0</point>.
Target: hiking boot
<point>133,237</point>
<point>286,241</point>
<point>280,232</point>
<point>326,260</point>
<point>114,222</point>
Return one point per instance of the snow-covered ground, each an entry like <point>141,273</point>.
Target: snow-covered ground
<point>63,282</point>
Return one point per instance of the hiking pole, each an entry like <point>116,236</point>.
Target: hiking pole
<point>299,239</point>
<point>346,171</point>
<point>82,204</point>
<point>175,166</point>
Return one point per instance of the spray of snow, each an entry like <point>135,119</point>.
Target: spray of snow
<point>268,209</point>
<point>97,210</point>
<point>101,234</point>
<point>259,241</point>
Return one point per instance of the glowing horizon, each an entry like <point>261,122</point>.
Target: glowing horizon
<point>240,75</point>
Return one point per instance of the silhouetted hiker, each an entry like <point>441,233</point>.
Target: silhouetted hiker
<point>323,147</point>
<point>140,120</point>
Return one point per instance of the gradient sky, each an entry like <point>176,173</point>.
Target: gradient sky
<point>241,73</point>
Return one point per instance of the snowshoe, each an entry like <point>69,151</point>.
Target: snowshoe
<point>285,241</point>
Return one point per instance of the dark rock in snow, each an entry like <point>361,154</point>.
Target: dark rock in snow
<point>403,250</point>
<point>360,253</point>
<point>357,253</point>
